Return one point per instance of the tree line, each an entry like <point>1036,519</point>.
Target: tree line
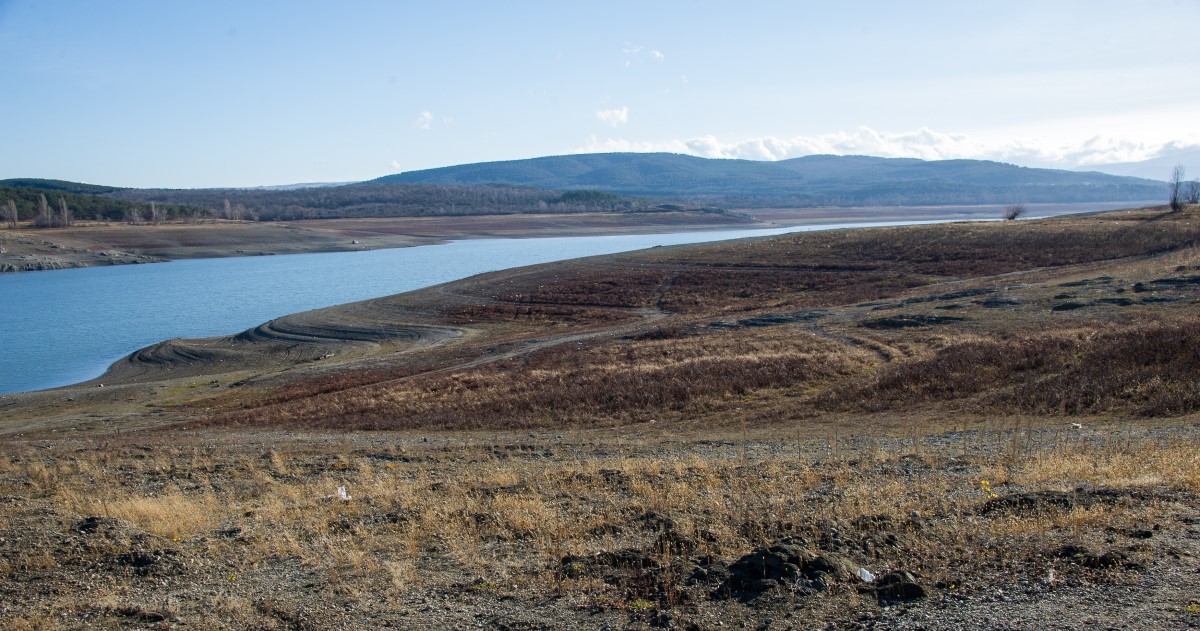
<point>383,200</point>
<point>31,203</point>
<point>61,209</point>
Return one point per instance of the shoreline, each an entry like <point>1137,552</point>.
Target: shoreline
<point>117,244</point>
<point>113,244</point>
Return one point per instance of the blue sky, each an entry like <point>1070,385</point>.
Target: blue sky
<point>192,94</point>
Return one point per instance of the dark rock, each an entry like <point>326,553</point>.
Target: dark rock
<point>1026,502</point>
<point>1068,306</point>
<point>136,558</point>
<point>140,614</point>
<point>153,562</point>
<point>873,523</point>
<point>1041,500</point>
<point>897,587</point>
<point>1070,551</point>
<point>765,569</point>
<point>1178,282</point>
<point>966,293</point>
<point>1108,560</point>
<point>95,524</point>
<point>904,321</point>
<point>657,521</point>
<point>1102,280</point>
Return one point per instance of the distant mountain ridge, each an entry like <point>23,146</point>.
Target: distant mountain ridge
<point>1158,168</point>
<point>810,180</point>
<point>615,182</point>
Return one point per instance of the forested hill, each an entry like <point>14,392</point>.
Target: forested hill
<point>809,181</point>
<point>367,199</point>
<point>610,182</point>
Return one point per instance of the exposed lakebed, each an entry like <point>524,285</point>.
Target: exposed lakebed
<point>66,326</point>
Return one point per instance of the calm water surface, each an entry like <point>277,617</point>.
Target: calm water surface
<point>65,326</point>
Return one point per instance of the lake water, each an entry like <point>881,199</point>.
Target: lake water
<point>65,326</point>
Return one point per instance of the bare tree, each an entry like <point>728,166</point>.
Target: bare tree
<point>64,213</point>
<point>44,218</point>
<point>1013,212</point>
<point>1191,193</point>
<point>133,215</point>
<point>228,211</point>
<point>1176,186</point>
<point>10,214</point>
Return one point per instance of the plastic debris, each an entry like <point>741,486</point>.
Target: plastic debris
<point>342,495</point>
<point>866,575</point>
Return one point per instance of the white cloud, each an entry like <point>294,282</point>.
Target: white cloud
<point>395,165</point>
<point>638,54</point>
<point>923,143</point>
<point>425,120</point>
<point>614,117</point>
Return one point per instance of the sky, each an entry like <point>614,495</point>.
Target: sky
<point>181,94</point>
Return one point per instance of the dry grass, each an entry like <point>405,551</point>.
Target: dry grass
<point>498,514</point>
<point>581,385</point>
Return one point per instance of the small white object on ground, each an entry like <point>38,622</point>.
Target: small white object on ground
<point>342,494</point>
<point>866,575</point>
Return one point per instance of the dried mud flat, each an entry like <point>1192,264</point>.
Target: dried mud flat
<point>995,424</point>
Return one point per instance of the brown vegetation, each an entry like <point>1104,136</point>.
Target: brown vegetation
<point>621,529</point>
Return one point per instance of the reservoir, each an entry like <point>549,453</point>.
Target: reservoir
<point>65,326</point>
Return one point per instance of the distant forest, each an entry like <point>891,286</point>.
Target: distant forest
<point>102,203</point>
<point>94,207</point>
<point>385,200</point>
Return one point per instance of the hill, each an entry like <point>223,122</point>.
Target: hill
<point>819,180</point>
<point>58,186</point>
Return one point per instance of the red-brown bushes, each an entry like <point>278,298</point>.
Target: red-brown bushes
<point>1148,370</point>
<point>604,384</point>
